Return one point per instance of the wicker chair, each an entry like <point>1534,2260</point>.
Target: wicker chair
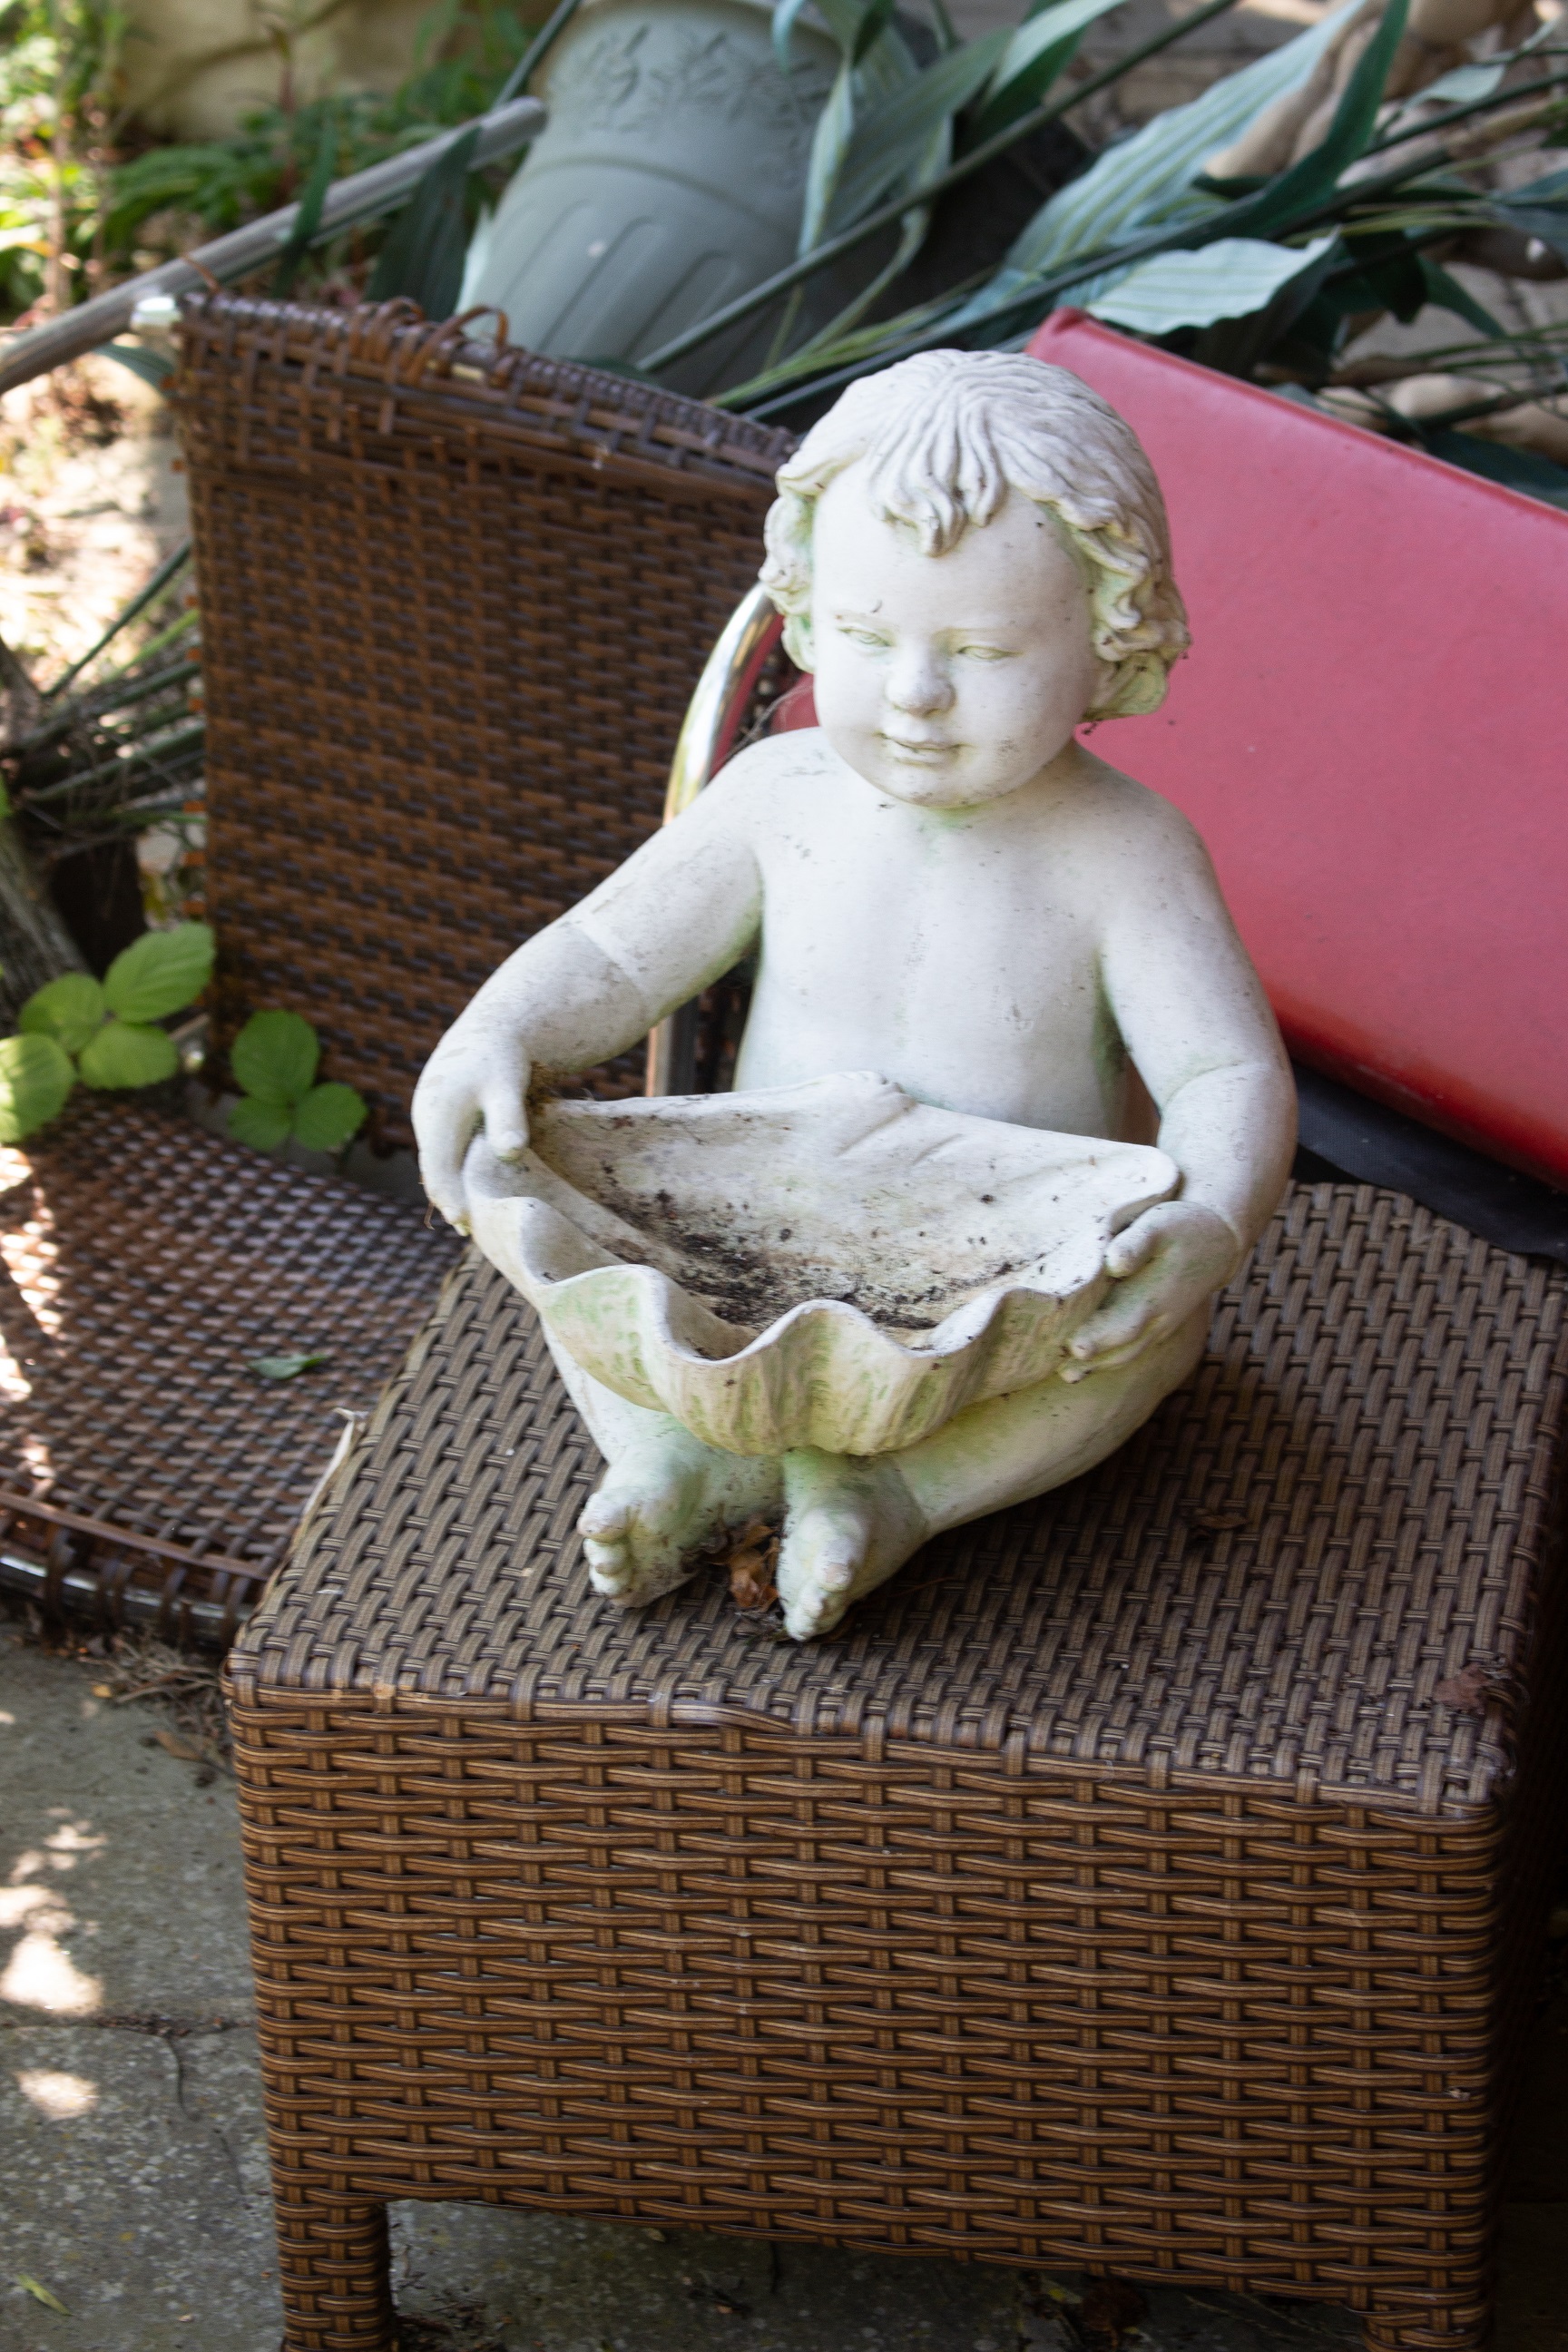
<point>1147,1880</point>
<point>426,570</point>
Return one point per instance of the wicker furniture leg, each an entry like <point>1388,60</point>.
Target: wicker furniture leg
<point>334,2267</point>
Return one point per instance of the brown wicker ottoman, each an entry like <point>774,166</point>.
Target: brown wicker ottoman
<point>1147,1881</point>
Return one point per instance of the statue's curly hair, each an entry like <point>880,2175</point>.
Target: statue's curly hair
<point>944,436</point>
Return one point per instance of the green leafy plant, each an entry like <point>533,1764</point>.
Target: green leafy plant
<point>285,1368</point>
<point>274,1061</point>
<point>104,1032</point>
<point>464,50</point>
<point>60,72</point>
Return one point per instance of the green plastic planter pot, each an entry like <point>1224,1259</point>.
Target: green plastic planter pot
<point>669,179</point>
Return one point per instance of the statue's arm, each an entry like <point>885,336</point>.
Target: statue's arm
<point>676,915</point>
<point>1193,1014</point>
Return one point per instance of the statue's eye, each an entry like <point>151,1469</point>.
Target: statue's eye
<point>864,637</point>
<point>985,653</point>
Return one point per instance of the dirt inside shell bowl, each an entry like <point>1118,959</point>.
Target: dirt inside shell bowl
<point>831,1265</point>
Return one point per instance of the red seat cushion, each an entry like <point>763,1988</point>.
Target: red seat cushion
<point>1369,733</point>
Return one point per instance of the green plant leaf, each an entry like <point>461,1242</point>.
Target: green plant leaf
<point>1344,141</point>
<point>68,1010</point>
<point>876,17</point>
<point>1036,54</point>
<point>326,1117</point>
<point>1520,470</point>
<point>124,1054</point>
<point>1448,295</point>
<point>424,253</point>
<point>785,16</point>
<point>308,219</point>
<point>284,1367</point>
<point>1146,182</point>
<point>35,1076</point>
<point>1538,209</point>
<point>892,144</point>
<point>274,1057</point>
<point>154,367</point>
<point>263,1125</point>
<point>161,972</point>
<point>1228,280</point>
<point>1460,87</point>
<point>829,149</point>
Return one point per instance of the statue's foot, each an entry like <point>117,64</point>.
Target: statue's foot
<point>662,1501</point>
<point>848,1523</point>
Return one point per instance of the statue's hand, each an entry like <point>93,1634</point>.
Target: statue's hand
<point>1163,1266</point>
<point>477,1076</point>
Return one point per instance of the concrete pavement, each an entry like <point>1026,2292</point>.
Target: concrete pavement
<point>132,2162</point>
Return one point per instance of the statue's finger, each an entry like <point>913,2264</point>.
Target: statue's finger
<point>505,1115</point>
<point>444,1124</point>
<point>1132,1249</point>
<point>1115,1326</point>
<point>1105,1360</point>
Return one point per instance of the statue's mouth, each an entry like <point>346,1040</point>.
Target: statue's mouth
<point>924,751</point>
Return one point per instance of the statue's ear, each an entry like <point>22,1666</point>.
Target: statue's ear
<point>1132,688</point>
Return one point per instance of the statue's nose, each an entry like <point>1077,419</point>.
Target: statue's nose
<point>919,684</point>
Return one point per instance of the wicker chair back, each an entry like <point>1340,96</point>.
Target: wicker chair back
<point>454,602</point>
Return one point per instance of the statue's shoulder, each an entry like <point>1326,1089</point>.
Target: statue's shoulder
<point>1135,819</point>
<point>774,762</point>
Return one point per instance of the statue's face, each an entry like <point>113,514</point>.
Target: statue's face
<point>947,680</point>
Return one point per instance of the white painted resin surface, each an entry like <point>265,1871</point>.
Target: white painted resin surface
<point>831,1265</point>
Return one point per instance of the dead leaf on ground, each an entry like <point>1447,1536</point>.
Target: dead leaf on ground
<point>1111,2309</point>
<point>1058,2293</point>
<point>171,1742</point>
<point>30,2285</point>
<point>1464,1692</point>
<point>143,1669</point>
<point>751,1562</point>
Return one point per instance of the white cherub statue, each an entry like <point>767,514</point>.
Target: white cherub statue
<point>946,887</point>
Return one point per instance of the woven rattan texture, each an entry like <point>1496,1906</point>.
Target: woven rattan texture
<point>453,608</point>
<point>1117,1891</point>
<point>148,1265</point>
<point>1346,1507</point>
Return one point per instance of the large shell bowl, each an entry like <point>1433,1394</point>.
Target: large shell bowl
<point>830,1265</point>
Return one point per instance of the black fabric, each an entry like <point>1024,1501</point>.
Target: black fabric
<point>1347,1134</point>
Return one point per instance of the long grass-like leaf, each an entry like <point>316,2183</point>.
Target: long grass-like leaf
<point>878,13</point>
<point>1344,142</point>
<point>786,15</point>
<point>887,145</point>
<point>1036,54</point>
<point>168,572</point>
<point>1539,209</point>
<point>829,147</point>
<point>423,256</point>
<point>308,220</point>
<point>876,66</point>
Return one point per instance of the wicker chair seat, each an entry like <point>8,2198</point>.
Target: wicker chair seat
<point>1136,1882</point>
<point>147,1471</point>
